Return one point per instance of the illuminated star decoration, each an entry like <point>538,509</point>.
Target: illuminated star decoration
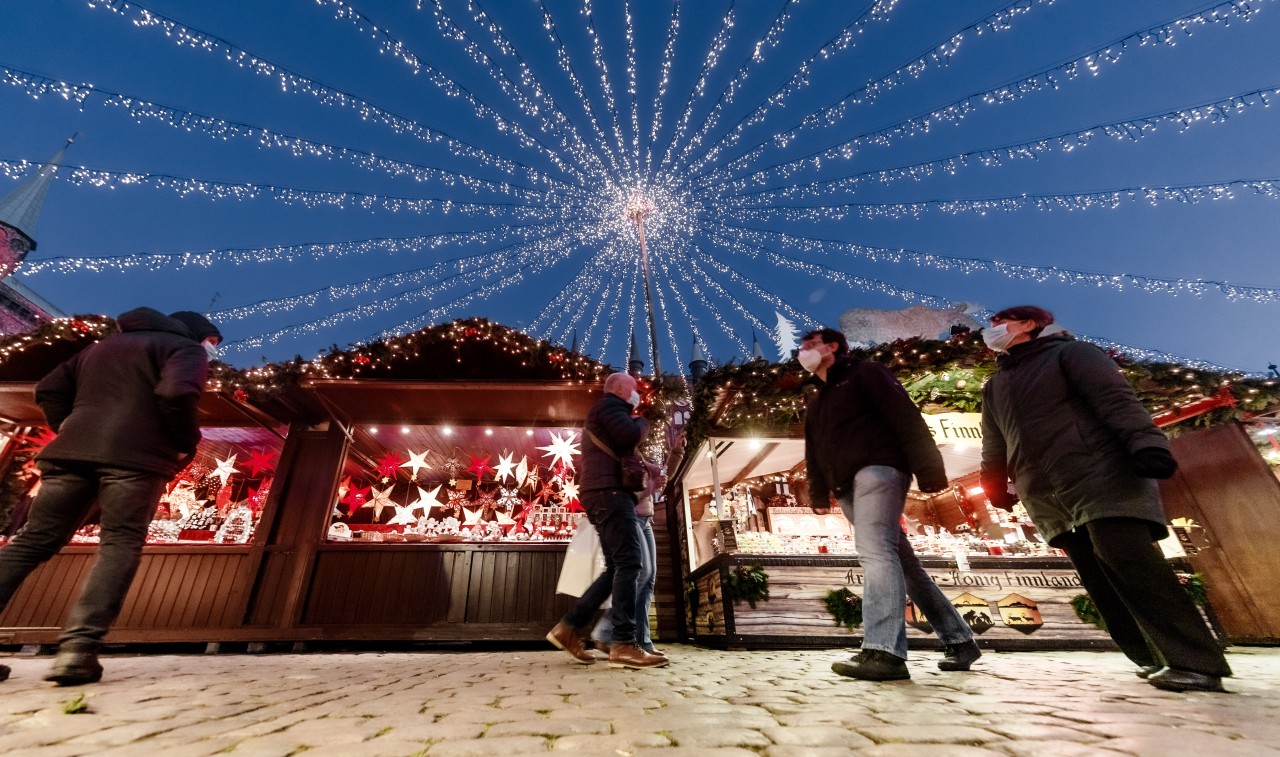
<point>427,499</point>
<point>485,500</point>
<point>404,513</point>
<point>508,499</point>
<point>225,469</point>
<point>380,501</point>
<point>452,465</point>
<point>356,498</point>
<point>505,467</point>
<point>570,491</point>
<point>416,462</point>
<point>522,470</point>
<point>456,500</point>
<point>472,516</point>
<point>260,461</point>
<point>480,466</point>
<point>388,464</point>
<point>562,450</point>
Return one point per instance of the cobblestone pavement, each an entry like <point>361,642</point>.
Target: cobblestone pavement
<point>708,703</point>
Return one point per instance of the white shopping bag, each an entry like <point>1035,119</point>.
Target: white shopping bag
<point>583,561</point>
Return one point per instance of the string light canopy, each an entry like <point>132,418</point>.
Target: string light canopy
<point>548,160</point>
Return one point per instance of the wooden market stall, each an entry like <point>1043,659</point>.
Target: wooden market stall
<point>420,488</point>
<point>741,519</point>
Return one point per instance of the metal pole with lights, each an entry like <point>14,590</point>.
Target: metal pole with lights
<point>639,209</point>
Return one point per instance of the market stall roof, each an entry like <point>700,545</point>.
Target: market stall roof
<point>499,403</point>
<point>18,407</point>
<point>740,458</point>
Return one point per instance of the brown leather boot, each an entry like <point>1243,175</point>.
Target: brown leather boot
<point>631,656</point>
<point>567,639</point>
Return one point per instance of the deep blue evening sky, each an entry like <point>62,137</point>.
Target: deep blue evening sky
<point>1226,239</point>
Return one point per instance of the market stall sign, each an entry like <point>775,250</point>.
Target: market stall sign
<point>955,428</point>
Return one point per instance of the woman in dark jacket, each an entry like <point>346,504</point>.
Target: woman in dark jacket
<point>1061,422</point>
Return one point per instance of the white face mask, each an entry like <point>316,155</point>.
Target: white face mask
<point>634,399</point>
<point>810,358</point>
<point>210,350</point>
<point>998,337</point>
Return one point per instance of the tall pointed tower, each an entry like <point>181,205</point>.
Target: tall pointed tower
<point>20,308</point>
<point>635,366</point>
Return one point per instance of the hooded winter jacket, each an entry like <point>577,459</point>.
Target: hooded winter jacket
<point>1062,423</point>
<point>130,400</point>
<point>862,416</point>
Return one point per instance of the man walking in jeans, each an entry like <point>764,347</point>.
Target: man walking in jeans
<point>864,437</point>
<point>612,510</point>
<point>124,411</point>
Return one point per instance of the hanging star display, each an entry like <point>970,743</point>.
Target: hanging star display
<point>452,465</point>
<point>427,499</point>
<point>388,464</point>
<point>380,501</point>
<point>522,470</point>
<point>562,450</point>
<point>457,500</point>
<point>480,466</point>
<point>509,499</point>
<point>548,492</point>
<point>404,514</point>
<point>356,498</point>
<point>260,461</point>
<point>343,487</point>
<point>570,491</point>
<point>417,461</point>
<point>472,517</point>
<point>226,468</point>
<point>505,467</point>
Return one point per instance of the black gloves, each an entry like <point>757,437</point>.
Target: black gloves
<point>1154,462</point>
<point>932,483</point>
<point>997,491</point>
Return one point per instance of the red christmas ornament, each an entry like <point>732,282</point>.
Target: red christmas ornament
<point>389,465</point>
<point>260,461</point>
<point>355,499</point>
<point>240,395</point>
<point>361,360</point>
<point>480,466</point>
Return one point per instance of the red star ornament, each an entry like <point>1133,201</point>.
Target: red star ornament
<point>355,499</point>
<point>389,465</point>
<point>480,466</point>
<point>260,461</point>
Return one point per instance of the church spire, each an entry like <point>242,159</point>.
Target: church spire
<point>20,212</point>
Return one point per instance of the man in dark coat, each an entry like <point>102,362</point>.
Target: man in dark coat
<point>611,509</point>
<point>1060,422</point>
<point>863,439</point>
<point>124,411</point>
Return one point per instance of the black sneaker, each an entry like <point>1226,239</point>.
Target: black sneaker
<point>873,665</point>
<point>75,665</point>
<point>959,656</point>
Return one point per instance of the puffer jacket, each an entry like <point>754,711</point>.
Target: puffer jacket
<point>1061,422</point>
<point>611,421</point>
<point>130,400</point>
<point>862,416</point>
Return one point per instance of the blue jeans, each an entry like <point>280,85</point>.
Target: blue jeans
<point>613,513</point>
<point>127,499</point>
<point>644,590</point>
<point>891,570</point>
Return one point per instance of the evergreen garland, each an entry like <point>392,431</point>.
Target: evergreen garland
<point>1087,610</point>
<point>747,583</point>
<point>845,607</point>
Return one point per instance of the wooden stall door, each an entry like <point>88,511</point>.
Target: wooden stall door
<point>1224,485</point>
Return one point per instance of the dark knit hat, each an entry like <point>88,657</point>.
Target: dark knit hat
<point>201,328</point>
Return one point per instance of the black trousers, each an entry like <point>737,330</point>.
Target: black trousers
<point>1148,613</point>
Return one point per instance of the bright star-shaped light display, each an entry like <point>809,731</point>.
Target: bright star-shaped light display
<point>562,450</point>
<point>416,462</point>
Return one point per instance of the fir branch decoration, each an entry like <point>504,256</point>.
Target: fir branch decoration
<point>747,583</point>
<point>845,607</point>
<point>1087,611</point>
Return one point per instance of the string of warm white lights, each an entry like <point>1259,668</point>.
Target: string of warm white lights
<point>757,290</point>
<point>770,39</point>
<point>219,128</point>
<point>388,44</point>
<point>572,313</point>
<point>1048,78</point>
<point>843,40</point>
<point>1186,194</point>
<point>366,286</point>
<point>939,54</point>
<point>664,79</point>
<point>684,270</point>
<point>603,301</point>
<point>767,238</point>
<point>562,57</point>
<point>537,262</point>
<point>1142,354</point>
<point>718,45</point>
<point>1217,111</point>
<point>661,256</point>
<point>664,314</point>
<point>606,87</point>
<point>311,198</point>
<point>555,306</point>
<point>631,84</point>
<point>292,82</point>
<point>307,251</point>
<point>625,283</point>
<point>723,293</point>
<point>519,253</point>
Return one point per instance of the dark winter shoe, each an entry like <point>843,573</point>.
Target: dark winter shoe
<point>76,664</point>
<point>567,639</point>
<point>873,665</point>
<point>1172,679</point>
<point>959,656</point>
<point>4,672</point>
<point>1146,671</point>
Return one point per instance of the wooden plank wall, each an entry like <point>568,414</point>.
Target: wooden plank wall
<point>1225,485</point>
